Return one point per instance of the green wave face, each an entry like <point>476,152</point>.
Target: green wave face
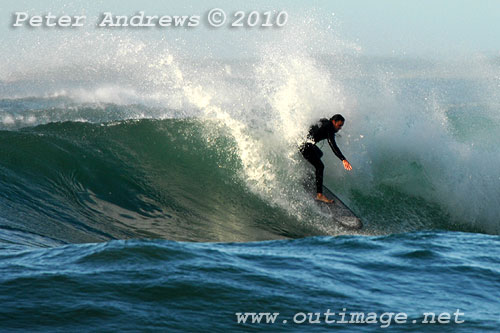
<point>80,182</point>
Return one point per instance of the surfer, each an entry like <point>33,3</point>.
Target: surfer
<point>324,129</point>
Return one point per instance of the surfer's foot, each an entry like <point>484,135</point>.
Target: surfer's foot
<point>321,197</point>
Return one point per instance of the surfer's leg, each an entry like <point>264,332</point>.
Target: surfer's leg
<point>313,154</point>
<point>319,181</point>
<point>320,167</point>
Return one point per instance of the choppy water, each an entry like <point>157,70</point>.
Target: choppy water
<point>142,285</point>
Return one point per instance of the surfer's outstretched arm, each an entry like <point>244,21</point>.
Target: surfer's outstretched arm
<point>335,148</point>
<point>337,152</point>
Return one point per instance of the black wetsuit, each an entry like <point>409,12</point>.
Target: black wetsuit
<point>324,129</point>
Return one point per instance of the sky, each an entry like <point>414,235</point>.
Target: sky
<point>380,28</point>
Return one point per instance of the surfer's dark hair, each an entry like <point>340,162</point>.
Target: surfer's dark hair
<point>337,117</point>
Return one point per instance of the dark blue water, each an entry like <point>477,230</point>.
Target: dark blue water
<point>143,285</point>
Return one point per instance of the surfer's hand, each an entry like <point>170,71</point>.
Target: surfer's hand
<point>347,165</point>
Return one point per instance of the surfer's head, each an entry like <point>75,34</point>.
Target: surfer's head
<point>338,121</point>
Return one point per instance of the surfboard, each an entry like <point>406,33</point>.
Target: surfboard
<point>338,211</point>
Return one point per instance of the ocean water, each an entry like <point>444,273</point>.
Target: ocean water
<point>144,285</point>
<point>142,189</point>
